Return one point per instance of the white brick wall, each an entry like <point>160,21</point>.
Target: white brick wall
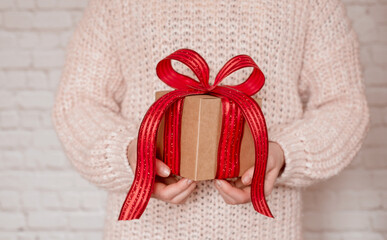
<point>42,197</point>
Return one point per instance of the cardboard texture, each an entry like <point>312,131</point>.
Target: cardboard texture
<point>200,132</point>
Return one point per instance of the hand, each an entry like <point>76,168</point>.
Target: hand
<point>238,192</point>
<point>166,187</point>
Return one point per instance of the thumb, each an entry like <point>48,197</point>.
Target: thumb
<point>247,176</point>
<point>162,169</point>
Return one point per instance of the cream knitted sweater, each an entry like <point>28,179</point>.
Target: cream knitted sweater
<point>313,101</point>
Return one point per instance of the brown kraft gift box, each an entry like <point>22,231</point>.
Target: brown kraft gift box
<point>200,132</point>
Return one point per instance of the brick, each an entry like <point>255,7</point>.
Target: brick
<point>365,28</point>
<point>83,221</point>
<point>65,38</point>
<point>46,119</point>
<point>48,41</point>
<point>347,180</point>
<point>52,236</point>
<point>365,55</point>
<point>376,137</point>
<point>379,221</point>
<point>70,200</point>
<point>374,76</point>
<point>26,4</point>
<point>28,40</point>
<point>54,160</point>
<point>45,4</point>
<point>35,99</point>
<point>379,179</point>
<point>325,199</point>
<point>33,155</point>
<point>337,221</point>
<point>308,198</point>
<point>379,13</point>
<point>377,116</point>
<point>369,199</point>
<point>15,139</point>
<point>30,119</point>
<point>50,200</point>
<point>48,59</point>
<point>12,221</point>
<point>93,235</point>
<point>37,80</point>
<point>384,199</point>
<point>26,236</point>
<point>382,33</point>
<point>355,11</point>
<point>30,200</point>
<point>46,220</point>
<point>7,100</point>
<point>8,235</point>
<point>11,160</point>
<point>14,80</point>
<point>9,119</point>
<point>15,59</point>
<point>93,201</point>
<point>375,96</point>
<point>18,19</point>
<point>6,4</point>
<point>54,78</point>
<point>45,138</point>
<point>9,200</point>
<point>347,200</point>
<point>374,158</point>
<point>52,20</point>
<point>361,236</point>
<point>49,181</point>
<point>7,39</point>
<point>72,4</point>
<point>379,53</point>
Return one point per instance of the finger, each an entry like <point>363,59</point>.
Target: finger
<point>227,199</point>
<point>167,192</point>
<point>162,169</point>
<point>168,180</point>
<point>235,193</point>
<point>239,184</point>
<point>247,176</point>
<point>269,181</point>
<point>183,195</point>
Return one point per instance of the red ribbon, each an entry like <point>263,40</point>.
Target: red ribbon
<point>238,100</point>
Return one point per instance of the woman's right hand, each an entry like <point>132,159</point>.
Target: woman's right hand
<point>166,187</point>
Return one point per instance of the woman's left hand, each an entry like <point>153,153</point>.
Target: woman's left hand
<point>238,192</point>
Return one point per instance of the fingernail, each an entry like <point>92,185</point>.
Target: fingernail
<point>188,181</point>
<point>246,179</point>
<point>166,171</point>
<point>218,182</point>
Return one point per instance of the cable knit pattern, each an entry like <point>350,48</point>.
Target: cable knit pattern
<point>313,101</point>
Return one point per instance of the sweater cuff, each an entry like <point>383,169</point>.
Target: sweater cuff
<point>292,144</point>
<point>116,156</point>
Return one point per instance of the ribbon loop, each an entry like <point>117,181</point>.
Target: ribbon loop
<point>255,81</point>
<point>179,81</point>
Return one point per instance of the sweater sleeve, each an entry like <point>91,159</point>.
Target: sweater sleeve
<point>336,116</point>
<point>86,114</point>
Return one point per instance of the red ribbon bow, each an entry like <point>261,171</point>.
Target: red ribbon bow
<point>142,186</point>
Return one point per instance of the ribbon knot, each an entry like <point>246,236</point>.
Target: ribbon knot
<point>238,102</point>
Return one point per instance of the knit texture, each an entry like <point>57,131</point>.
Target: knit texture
<point>313,102</point>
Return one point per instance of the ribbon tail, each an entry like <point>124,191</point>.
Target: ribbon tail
<point>255,119</point>
<point>143,183</point>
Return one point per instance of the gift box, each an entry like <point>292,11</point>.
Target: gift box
<point>199,101</point>
<point>201,124</point>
